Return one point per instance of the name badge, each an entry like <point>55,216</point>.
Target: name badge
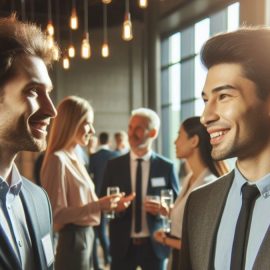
<point>48,249</point>
<point>158,182</point>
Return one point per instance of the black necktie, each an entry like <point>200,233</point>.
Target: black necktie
<point>249,195</point>
<point>138,198</point>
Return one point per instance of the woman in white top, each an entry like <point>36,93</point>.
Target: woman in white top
<point>193,145</point>
<point>75,205</point>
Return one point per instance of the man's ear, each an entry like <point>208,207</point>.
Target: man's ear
<point>153,133</point>
<point>195,141</point>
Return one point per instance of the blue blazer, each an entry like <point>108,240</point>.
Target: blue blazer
<point>118,174</point>
<point>97,165</point>
<point>39,220</point>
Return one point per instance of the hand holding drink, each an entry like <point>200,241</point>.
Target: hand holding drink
<point>166,198</point>
<point>111,191</point>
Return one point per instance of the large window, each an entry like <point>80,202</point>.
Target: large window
<point>183,76</point>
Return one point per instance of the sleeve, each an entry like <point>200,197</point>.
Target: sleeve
<point>53,178</point>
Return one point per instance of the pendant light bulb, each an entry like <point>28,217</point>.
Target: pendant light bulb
<point>86,49</point>
<point>127,28</point>
<point>55,53</point>
<point>143,3</point>
<point>50,28</point>
<point>71,51</point>
<point>74,19</point>
<point>105,50</point>
<point>106,1</point>
<point>66,63</point>
<point>50,40</point>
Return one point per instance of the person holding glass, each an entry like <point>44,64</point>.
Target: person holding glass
<point>144,172</point>
<point>76,208</point>
<point>193,145</point>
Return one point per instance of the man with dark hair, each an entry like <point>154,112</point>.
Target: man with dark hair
<point>226,225</point>
<point>121,142</point>
<point>98,162</point>
<point>25,113</point>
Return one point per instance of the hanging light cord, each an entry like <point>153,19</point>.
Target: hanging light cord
<point>105,33</point>
<point>86,16</point>
<point>127,6</point>
<point>50,10</point>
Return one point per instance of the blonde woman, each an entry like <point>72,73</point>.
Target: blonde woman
<point>75,205</point>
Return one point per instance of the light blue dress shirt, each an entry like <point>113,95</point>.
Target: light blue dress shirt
<point>12,219</point>
<point>259,224</point>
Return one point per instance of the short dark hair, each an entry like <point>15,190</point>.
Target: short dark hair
<point>103,138</point>
<point>21,38</point>
<point>192,127</point>
<point>247,46</point>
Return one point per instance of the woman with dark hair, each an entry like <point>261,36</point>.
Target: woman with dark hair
<point>193,145</point>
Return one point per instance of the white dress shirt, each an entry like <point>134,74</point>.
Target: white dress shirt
<point>13,221</point>
<point>259,224</point>
<point>177,212</point>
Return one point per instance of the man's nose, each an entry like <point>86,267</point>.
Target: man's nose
<point>47,107</point>
<point>209,114</point>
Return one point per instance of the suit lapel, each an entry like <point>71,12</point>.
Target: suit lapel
<point>7,256</point>
<point>33,226</point>
<point>210,223</point>
<point>152,170</point>
<point>127,173</point>
<point>262,259</point>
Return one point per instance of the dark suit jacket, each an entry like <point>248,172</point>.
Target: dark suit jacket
<point>118,174</point>
<point>39,220</point>
<point>98,162</point>
<point>203,212</point>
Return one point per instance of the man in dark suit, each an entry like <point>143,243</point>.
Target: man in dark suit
<point>143,172</point>
<point>226,223</point>
<point>25,113</point>
<point>98,162</point>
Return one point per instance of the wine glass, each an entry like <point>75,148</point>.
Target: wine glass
<point>110,191</point>
<point>166,199</point>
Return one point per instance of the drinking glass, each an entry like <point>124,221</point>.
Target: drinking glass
<point>166,199</point>
<point>153,198</point>
<point>111,191</point>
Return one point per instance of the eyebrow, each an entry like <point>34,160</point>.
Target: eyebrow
<point>219,88</point>
<point>36,83</point>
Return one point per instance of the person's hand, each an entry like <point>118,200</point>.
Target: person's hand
<point>125,202</point>
<point>110,202</point>
<point>152,207</point>
<point>156,208</point>
<point>159,236</point>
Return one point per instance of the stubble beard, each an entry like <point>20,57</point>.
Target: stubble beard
<point>22,139</point>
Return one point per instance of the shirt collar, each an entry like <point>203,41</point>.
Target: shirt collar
<point>104,146</point>
<point>16,182</point>
<point>262,184</point>
<point>145,157</point>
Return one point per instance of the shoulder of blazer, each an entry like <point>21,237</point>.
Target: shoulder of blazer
<point>119,160</point>
<point>38,195</point>
<point>161,158</point>
<point>222,182</point>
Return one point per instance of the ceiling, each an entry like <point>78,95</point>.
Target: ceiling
<point>37,11</point>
